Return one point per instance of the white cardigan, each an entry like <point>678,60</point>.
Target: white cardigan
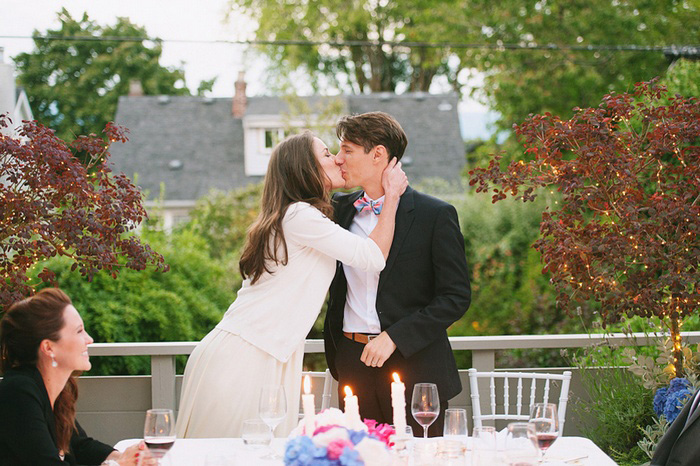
<point>277,312</point>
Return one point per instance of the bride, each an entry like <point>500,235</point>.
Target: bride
<point>288,263</point>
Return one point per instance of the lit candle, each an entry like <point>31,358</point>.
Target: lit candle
<point>352,409</point>
<point>307,401</point>
<point>398,402</point>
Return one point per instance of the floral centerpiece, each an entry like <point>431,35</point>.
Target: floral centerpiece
<point>334,442</point>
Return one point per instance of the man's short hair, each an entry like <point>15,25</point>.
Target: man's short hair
<point>373,129</point>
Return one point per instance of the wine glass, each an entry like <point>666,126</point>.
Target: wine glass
<point>544,418</point>
<point>272,409</point>
<point>425,405</point>
<point>521,444</point>
<point>159,432</point>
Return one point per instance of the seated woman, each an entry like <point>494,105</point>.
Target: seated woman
<point>42,343</point>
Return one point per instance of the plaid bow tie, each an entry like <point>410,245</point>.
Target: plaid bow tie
<point>365,203</point>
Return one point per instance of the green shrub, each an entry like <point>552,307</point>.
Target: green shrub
<point>180,305</point>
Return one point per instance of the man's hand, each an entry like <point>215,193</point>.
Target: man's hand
<point>378,350</point>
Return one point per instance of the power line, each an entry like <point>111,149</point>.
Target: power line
<point>694,49</point>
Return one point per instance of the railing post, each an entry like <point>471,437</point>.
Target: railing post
<point>484,360</point>
<point>163,381</point>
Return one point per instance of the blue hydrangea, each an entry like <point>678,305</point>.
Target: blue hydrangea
<point>299,451</point>
<point>350,458</point>
<point>674,403</point>
<point>669,401</point>
<point>678,383</point>
<point>660,400</point>
<point>356,436</point>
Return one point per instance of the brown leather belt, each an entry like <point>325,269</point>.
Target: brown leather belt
<point>360,337</point>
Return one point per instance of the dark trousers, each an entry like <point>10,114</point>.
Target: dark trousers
<point>372,385</point>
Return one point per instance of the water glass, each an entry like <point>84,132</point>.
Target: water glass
<point>521,444</point>
<point>484,446</point>
<point>255,433</point>
<point>455,424</point>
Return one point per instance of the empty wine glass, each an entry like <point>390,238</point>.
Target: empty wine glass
<point>272,409</point>
<point>159,432</point>
<point>544,418</point>
<point>521,444</point>
<point>425,405</point>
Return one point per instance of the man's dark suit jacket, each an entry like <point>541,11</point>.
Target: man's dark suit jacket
<point>423,289</point>
<point>28,429</point>
<point>681,444</point>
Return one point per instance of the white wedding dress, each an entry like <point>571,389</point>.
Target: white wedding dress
<point>260,339</point>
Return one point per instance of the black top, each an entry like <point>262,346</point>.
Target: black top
<point>423,289</point>
<point>27,426</point>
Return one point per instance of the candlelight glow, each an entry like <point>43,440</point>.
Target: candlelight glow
<point>307,384</point>
<point>348,391</point>
<point>396,377</point>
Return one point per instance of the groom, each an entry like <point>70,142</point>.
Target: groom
<point>396,320</point>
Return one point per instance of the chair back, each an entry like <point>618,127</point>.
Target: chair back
<point>519,380</point>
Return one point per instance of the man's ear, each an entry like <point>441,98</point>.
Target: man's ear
<point>380,154</point>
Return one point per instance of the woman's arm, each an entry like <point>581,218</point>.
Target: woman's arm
<point>394,182</point>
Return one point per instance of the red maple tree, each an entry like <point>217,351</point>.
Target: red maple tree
<point>625,232</point>
<point>51,204</point>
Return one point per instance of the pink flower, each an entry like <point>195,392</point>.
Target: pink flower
<point>381,432</point>
<point>336,447</point>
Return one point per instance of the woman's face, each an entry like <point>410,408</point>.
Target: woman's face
<point>334,177</point>
<point>70,351</point>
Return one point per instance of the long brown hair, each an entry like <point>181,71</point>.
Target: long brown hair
<point>22,329</point>
<point>293,175</point>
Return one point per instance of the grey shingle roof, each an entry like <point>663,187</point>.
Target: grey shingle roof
<point>208,141</point>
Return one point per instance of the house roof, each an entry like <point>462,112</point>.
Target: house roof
<point>193,144</point>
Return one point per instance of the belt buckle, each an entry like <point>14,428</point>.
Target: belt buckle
<point>371,337</point>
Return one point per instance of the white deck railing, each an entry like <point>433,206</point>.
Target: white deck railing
<point>483,352</point>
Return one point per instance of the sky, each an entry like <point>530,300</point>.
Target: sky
<point>175,20</point>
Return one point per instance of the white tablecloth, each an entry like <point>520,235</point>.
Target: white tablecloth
<point>566,451</point>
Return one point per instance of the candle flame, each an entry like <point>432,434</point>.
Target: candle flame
<point>307,384</point>
<point>396,377</point>
<point>348,391</point>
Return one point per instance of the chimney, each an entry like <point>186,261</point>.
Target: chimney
<point>135,88</point>
<point>240,101</point>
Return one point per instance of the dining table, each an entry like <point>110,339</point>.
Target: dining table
<point>566,451</point>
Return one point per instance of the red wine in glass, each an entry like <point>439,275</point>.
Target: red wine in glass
<point>159,446</point>
<point>159,432</point>
<point>425,418</point>
<point>544,441</point>
<point>425,405</point>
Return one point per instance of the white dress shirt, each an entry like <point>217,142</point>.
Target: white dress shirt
<point>360,314</point>
<point>276,313</point>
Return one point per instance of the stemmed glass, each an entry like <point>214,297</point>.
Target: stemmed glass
<point>159,432</point>
<point>272,409</point>
<point>425,405</point>
<point>544,417</point>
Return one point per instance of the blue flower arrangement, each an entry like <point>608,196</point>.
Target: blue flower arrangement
<point>334,443</point>
<point>669,401</point>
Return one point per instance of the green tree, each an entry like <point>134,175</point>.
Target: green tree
<point>360,68</point>
<point>74,85</point>
<point>519,83</point>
